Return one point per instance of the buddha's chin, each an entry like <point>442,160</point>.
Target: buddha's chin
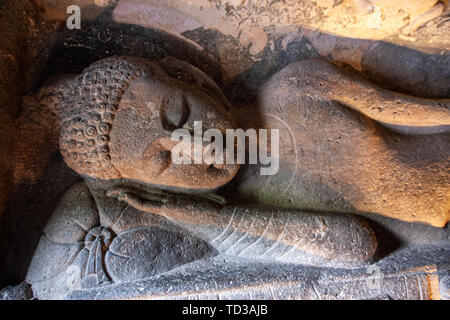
<point>193,177</point>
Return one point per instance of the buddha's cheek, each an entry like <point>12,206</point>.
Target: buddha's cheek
<point>196,176</point>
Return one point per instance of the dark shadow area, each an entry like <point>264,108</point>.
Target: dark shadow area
<point>75,50</point>
<point>28,210</point>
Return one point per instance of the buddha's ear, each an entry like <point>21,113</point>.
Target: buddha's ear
<point>191,75</point>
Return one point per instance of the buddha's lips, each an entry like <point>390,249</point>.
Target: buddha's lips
<point>167,144</point>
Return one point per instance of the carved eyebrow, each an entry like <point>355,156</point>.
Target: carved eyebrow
<point>167,124</point>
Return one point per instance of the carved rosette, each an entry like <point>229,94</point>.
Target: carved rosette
<point>97,242</point>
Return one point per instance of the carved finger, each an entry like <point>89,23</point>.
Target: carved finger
<point>156,195</point>
<point>141,204</point>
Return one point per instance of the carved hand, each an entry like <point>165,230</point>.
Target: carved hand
<point>162,202</point>
<point>151,202</point>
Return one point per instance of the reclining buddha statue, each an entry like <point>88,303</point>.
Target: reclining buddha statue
<point>137,214</point>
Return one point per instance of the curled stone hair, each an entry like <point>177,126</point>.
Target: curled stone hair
<point>88,115</point>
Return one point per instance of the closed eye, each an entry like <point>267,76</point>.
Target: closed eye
<point>174,114</point>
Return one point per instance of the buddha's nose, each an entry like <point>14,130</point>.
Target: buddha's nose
<point>207,110</point>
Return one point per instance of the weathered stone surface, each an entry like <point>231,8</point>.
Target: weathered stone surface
<point>357,19</point>
<point>347,144</point>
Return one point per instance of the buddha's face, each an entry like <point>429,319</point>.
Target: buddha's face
<point>140,141</point>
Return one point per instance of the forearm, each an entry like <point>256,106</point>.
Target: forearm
<point>283,235</point>
<point>403,113</point>
<point>292,236</point>
<point>180,209</point>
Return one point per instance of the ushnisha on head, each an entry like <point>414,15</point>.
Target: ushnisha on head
<point>118,121</point>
